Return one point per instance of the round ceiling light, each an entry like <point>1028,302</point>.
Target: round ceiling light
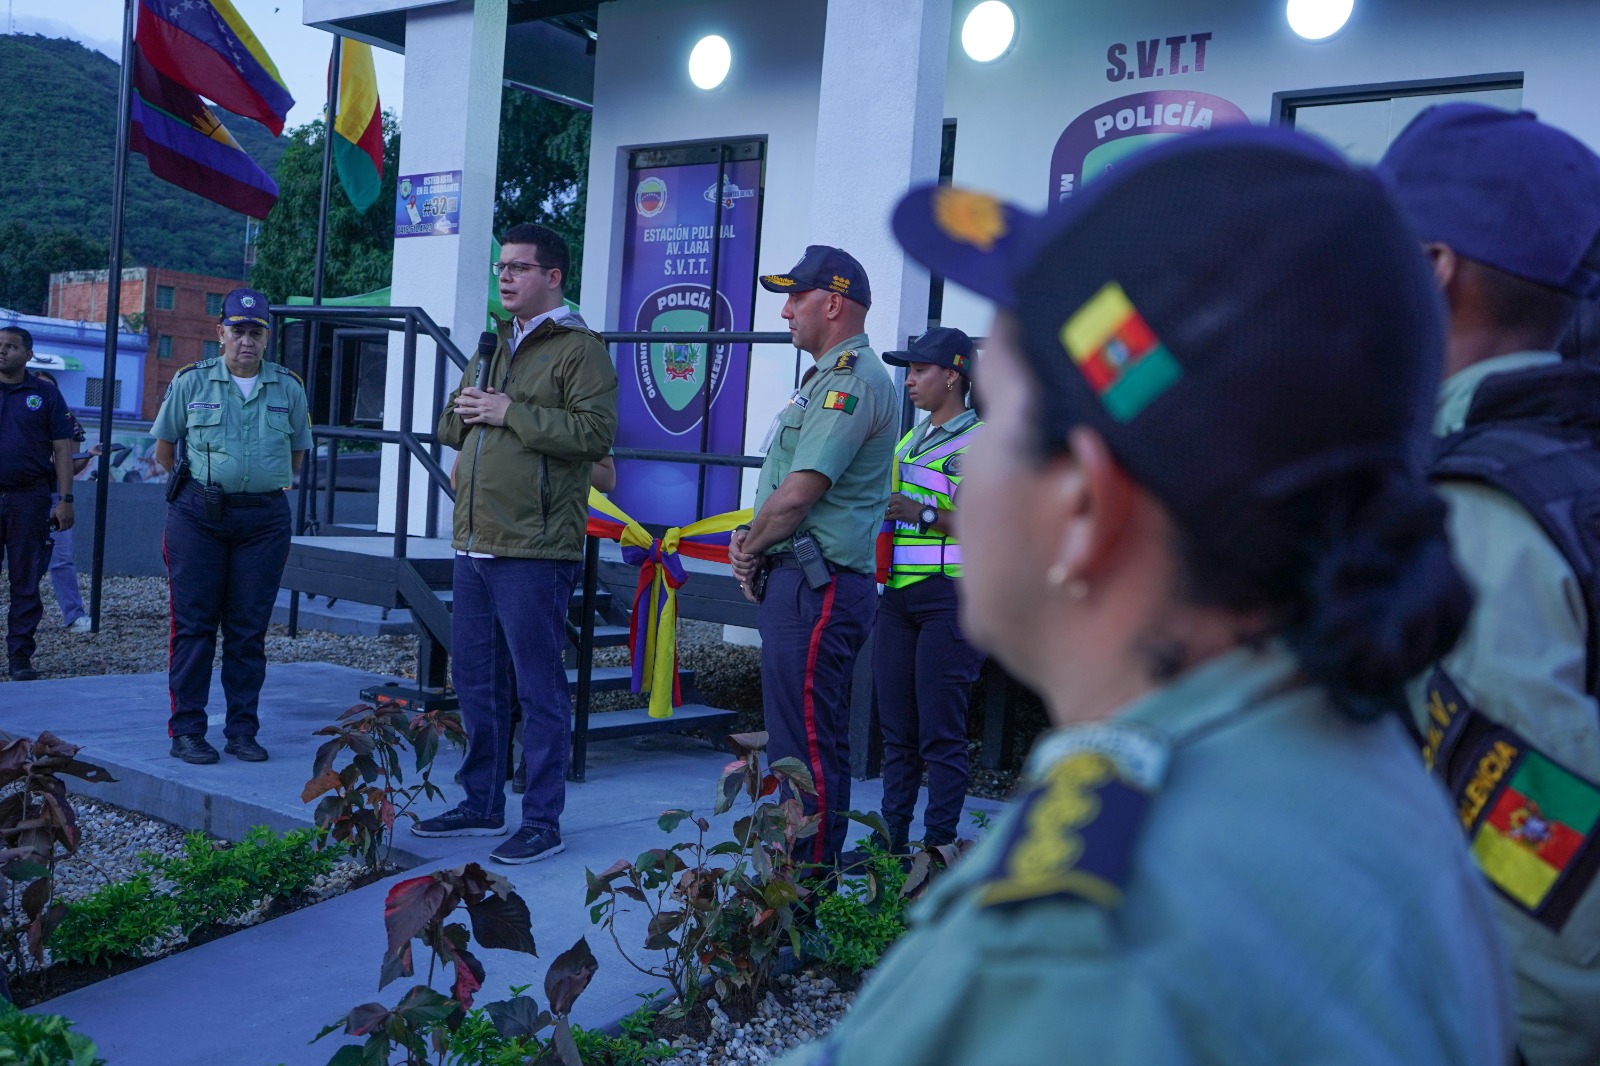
<point>989,31</point>
<point>1316,20</point>
<point>709,62</point>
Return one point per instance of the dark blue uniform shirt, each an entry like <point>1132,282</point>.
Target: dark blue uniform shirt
<point>32,414</point>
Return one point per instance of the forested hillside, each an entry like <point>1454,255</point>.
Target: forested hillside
<point>58,115</point>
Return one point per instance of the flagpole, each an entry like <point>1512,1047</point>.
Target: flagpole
<point>108,376</point>
<point>309,471</point>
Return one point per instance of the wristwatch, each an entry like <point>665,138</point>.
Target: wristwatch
<point>928,517</point>
<point>67,498</point>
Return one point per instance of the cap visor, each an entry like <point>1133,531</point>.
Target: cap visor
<point>897,358</point>
<point>970,237</point>
<point>782,283</point>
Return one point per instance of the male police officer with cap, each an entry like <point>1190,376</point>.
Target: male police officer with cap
<point>808,555</point>
<point>1508,209</point>
<point>35,456</point>
<point>245,429</point>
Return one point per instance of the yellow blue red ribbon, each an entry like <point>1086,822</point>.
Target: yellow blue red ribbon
<point>653,632</point>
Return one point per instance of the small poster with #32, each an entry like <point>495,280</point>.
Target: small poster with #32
<point>428,205</point>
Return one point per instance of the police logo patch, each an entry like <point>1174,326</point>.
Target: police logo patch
<point>248,301</point>
<point>34,402</point>
<point>955,464</point>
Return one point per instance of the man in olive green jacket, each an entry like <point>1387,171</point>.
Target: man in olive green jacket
<point>529,427</point>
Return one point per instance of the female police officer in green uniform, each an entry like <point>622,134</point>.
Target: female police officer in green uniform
<point>1196,524</point>
<point>245,427</point>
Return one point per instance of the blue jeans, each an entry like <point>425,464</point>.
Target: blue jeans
<point>510,617</point>
<point>64,576</point>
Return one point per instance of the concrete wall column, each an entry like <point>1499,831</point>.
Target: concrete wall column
<point>881,63</point>
<point>455,58</point>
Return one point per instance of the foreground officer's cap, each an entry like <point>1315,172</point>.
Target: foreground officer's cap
<point>1239,313</point>
<point>942,346</point>
<point>1504,189</point>
<point>245,305</point>
<point>824,267</point>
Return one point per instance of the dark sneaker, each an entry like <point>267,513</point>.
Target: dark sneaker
<point>22,670</point>
<point>459,823</point>
<point>529,845</point>
<point>245,749</point>
<point>193,749</point>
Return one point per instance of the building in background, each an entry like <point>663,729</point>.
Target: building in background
<point>74,352</point>
<point>176,312</point>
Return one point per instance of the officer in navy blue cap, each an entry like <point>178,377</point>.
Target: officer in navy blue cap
<point>808,555</point>
<point>923,667</point>
<point>244,428</point>
<point>1197,525</point>
<point>1508,211</point>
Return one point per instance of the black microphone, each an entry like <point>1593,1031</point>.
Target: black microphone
<point>487,343</point>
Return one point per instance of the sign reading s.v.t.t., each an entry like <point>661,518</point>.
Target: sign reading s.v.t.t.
<point>676,395</point>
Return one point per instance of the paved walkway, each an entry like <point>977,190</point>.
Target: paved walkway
<point>258,996</point>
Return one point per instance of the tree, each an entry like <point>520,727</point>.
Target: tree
<point>29,254</point>
<point>543,177</point>
<point>360,243</point>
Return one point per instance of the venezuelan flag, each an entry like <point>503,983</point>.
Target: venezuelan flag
<point>205,46</point>
<point>185,144</point>
<point>358,129</point>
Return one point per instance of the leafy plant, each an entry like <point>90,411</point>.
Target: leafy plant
<point>868,913</point>
<point>39,828</point>
<point>122,918</point>
<point>43,1040</point>
<point>426,1021</point>
<point>210,883</point>
<point>636,1045</point>
<point>720,911</point>
<point>361,802</point>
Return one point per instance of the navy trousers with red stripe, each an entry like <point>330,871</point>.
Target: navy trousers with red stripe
<point>809,642</point>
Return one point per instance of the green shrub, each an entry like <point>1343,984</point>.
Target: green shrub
<point>636,1045</point>
<point>123,918</point>
<point>42,1040</point>
<point>866,915</point>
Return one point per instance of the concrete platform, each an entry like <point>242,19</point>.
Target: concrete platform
<point>343,616</point>
<point>258,996</point>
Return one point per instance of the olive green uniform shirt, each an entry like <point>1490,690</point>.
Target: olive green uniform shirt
<point>1522,662</point>
<point>841,424</point>
<point>241,445</point>
<point>1298,893</point>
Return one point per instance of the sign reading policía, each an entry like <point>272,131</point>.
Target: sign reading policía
<point>1103,136</point>
<point>428,205</point>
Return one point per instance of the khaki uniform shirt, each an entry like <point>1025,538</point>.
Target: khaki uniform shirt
<point>1522,662</point>
<point>1298,893</point>
<point>841,424</point>
<point>242,445</point>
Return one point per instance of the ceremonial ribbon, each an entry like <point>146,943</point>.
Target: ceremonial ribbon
<point>653,632</point>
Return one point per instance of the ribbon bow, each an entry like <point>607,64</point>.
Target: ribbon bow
<point>653,645</point>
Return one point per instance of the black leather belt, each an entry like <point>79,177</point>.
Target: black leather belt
<point>788,561</point>
<point>238,499</point>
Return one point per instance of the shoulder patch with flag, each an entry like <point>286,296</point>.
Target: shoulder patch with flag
<point>840,401</point>
<point>1530,822</point>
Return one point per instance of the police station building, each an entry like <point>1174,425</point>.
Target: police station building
<point>729,134</point>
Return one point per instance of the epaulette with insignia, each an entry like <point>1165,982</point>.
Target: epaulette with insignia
<point>846,361</point>
<point>292,374</point>
<point>1077,828</point>
<point>192,366</point>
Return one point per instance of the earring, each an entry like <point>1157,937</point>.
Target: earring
<point>1056,575</point>
<point>949,386</point>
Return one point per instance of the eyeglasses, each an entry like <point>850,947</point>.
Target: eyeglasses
<point>516,270</point>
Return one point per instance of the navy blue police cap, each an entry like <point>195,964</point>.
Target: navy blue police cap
<point>1502,188</point>
<point>824,267</point>
<point>245,305</point>
<point>942,346</point>
<point>1239,313</point>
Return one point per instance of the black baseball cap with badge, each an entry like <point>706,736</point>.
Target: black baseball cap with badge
<point>1247,322</point>
<point>943,346</point>
<point>245,305</point>
<point>824,267</point>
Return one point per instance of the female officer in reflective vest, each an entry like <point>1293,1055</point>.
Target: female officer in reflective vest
<point>924,667</point>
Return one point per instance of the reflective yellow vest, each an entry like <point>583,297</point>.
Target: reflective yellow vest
<point>930,478</point>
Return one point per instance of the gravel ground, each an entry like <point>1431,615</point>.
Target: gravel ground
<point>815,1003</point>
